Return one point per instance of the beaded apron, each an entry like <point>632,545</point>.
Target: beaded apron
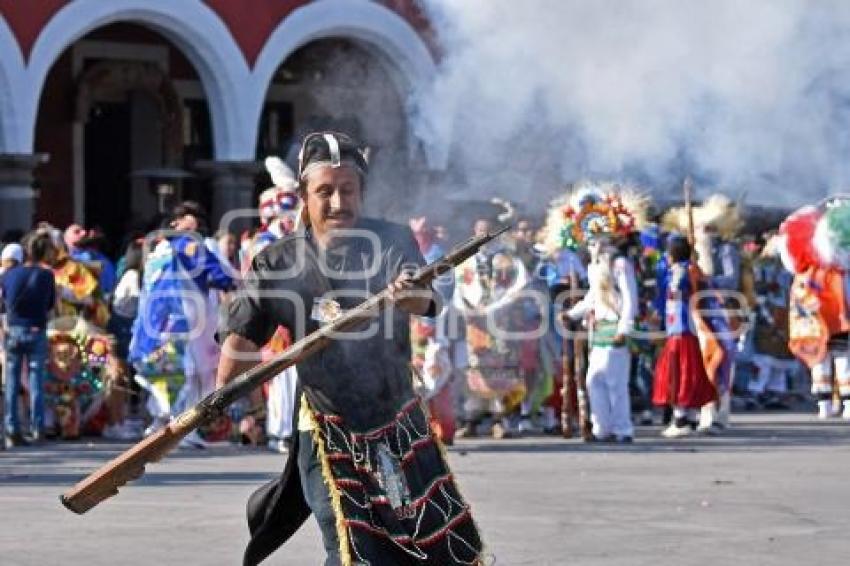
<point>393,495</point>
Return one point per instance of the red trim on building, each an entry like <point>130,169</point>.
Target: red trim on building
<point>413,14</point>
<point>26,19</point>
<point>251,22</point>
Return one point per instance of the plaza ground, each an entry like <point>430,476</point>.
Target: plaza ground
<point>772,491</point>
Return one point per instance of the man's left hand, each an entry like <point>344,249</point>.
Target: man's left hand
<point>410,297</point>
<point>619,340</point>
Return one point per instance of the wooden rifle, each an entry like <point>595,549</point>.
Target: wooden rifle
<point>130,465</point>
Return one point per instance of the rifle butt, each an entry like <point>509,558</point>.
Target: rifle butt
<point>129,465</point>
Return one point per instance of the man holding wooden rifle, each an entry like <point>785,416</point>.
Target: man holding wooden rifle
<point>364,460</point>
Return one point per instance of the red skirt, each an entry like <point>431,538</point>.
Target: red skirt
<point>680,362</point>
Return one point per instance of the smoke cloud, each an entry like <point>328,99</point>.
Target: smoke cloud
<point>748,97</point>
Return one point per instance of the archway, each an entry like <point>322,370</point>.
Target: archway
<point>372,41</point>
<point>192,27</point>
<point>120,99</point>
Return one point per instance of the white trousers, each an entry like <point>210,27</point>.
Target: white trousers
<point>773,374</point>
<point>608,389</point>
<point>281,403</point>
<point>822,374</point>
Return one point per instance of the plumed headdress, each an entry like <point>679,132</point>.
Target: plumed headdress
<point>797,240</point>
<point>717,212</point>
<point>832,233</point>
<point>590,210</point>
<point>282,176</point>
<point>817,236</point>
<point>283,195</point>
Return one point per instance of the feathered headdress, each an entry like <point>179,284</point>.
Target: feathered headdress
<point>282,176</point>
<point>797,240</point>
<point>593,209</point>
<point>282,196</point>
<point>716,211</point>
<point>832,233</point>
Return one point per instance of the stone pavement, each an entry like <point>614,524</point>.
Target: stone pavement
<point>772,491</point>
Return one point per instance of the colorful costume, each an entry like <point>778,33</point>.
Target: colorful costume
<point>716,222</point>
<point>79,291</point>
<point>680,377</point>
<point>366,443</point>
<point>173,334</point>
<point>600,217</point>
<point>74,387</point>
<point>430,346</point>
<point>539,355</point>
<point>565,274</point>
<point>488,291</point>
<point>818,321</point>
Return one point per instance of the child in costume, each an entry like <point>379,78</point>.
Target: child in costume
<point>716,222</point>
<point>680,377</point>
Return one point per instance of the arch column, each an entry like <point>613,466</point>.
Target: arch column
<point>233,192</point>
<point>11,91</point>
<point>17,197</point>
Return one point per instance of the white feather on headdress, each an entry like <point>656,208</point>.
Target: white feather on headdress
<point>282,176</point>
<point>832,234</point>
<point>509,213</point>
<point>773,246</point>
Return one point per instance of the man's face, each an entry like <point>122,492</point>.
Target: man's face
<point>73,235</point>
<point>186,223</point>
<point>523,231</point>
<point>481,227</point>
<point>333,198</point>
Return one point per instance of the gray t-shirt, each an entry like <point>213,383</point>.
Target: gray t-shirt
<point>365,378</point>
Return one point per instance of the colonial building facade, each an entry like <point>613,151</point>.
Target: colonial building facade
<point>110,108</point>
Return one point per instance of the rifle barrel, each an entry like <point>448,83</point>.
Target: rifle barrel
<point>130,464</point>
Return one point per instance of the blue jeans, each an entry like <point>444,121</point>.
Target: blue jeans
<point>317,496</point>
<point>30,344</point>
